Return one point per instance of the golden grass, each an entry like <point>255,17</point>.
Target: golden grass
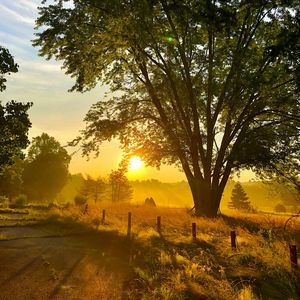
<point>174,266</point>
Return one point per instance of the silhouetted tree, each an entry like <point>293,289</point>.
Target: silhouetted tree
<point>7,66</point>
<point>239,199</point>
<point>121,189</point>
<point>93,188</point>
<point>212,86</point>
<point>46,168</point>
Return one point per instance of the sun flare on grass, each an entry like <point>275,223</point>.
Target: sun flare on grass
<point>135,163</point>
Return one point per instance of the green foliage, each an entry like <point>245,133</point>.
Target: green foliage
<point>11,183</point>
<point>14,126</point>
<point>46,168</point>
<point>14,120</point>
<point>280,208</point>
<point>80,200</point>
<point>212,86</point>
<point>7,65</point>
<point>239,199</point>
<point>21,201</point>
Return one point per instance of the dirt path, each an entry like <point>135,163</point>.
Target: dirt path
<point>36,265</point>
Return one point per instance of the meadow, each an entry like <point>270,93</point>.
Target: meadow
<point>170,264</point>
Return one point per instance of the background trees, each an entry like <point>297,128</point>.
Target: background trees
<point>11,182</point>
<point>212,86</point>
<point>14,120</point>
<point>93,189</point>
<point>46,169</point>
<point>121,189</point>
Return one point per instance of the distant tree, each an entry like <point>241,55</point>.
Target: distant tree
<point>239,199</point>
<point>46,168</point>
<point>211,86</point>
<point>280,208</point>
<point>93,188</point>
<point>121,189</point>
<point>150,202</point>
<point>11,181</point>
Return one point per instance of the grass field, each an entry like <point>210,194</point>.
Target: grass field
<point>172,265</point>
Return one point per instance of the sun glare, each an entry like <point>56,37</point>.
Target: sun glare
<point>135,163</point>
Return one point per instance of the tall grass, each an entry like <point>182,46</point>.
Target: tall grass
<point>174,266</point>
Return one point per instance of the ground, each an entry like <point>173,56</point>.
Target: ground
<point>35,264</point>
<point>72,253</point>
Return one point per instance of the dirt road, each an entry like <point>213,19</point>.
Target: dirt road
<point>35,264</point>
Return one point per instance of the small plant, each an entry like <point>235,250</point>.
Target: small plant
<point>80,200</point>
<point>21,201</point>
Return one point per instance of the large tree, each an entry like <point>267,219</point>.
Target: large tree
<point>46,168</point>
<point>212,86</point>
<point>14,119</point>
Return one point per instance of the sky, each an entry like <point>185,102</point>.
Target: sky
<point>55,110</point>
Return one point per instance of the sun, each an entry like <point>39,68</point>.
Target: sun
<point>135,163</point>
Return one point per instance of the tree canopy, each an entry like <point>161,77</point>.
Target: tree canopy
<point>46,168</point>
<point>14,119</point>
<point>7,65</point>
<point>212,86</point>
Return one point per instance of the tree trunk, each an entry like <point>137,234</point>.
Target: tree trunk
<point>206,198</point>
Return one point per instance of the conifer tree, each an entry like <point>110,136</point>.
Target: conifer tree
<point>239,199</point>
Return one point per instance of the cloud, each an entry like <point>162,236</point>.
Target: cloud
<point>27,4</point>
<point>17,16</point>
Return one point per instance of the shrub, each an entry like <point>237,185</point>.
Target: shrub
<point>80,200</point>
<point>280,208</point>
<point>21,201</point>
<point>3,201</point>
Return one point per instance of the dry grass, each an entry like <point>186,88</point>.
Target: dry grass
<point>173,266</point>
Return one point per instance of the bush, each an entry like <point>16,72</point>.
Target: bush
<point>280,208</point>
<point>3,201</point>
<point>80,200</point>
<point>21,201</point>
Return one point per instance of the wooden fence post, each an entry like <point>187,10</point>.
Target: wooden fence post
<point>129,225</point>
<point>194,231</point>
<point>233,239</point>
<point>293,256</point>
<point>158,224</point>
<point>103,216</point>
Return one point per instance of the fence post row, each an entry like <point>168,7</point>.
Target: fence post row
<point>158,224</point>
<point>194,231</point>
<point>129,225</point>
<point>293,248</point>
<point>233,239</point>
<point>293,256</point>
